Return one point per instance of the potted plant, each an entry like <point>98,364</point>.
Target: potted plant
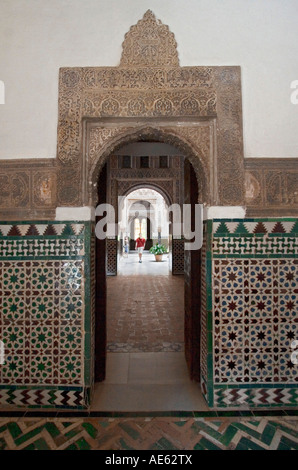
<point>158,251</point>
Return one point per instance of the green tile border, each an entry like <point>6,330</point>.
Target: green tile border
<point>62,236</point>
<point>88,306</point>
<point>208,225</point>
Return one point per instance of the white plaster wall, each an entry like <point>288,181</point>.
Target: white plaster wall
<point>39,36</point>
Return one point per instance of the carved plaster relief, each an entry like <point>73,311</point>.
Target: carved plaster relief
<point>28,189</point>
<point>150,85</point>
<point>271,186</point>
<point>149,42</point>
<point>252,188</point>
<point>193,140</point>
<point>14,189</point>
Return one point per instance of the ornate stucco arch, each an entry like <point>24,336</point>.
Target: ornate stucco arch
<point>122,136</point>
<point>149,96</point>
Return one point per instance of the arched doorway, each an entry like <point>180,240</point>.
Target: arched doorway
<point>149,97</point>
<point>145,210</point>
<point>191,320</point>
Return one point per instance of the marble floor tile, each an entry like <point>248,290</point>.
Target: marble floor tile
<point>147,382</point>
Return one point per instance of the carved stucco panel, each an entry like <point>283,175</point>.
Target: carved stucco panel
<point>149,42</point>
<point>281,187</point>
<point>271,186</point>
<point>28,189</point>
<point>14,189</point>
<point>69,137</point>
<point>98,138</point>
<point>69,186</point>
<point>137,78</point>
<point>230,158</point>
<point>150,103</point>
<point>291,196</point>
<point>253,193</point>
<point>44,188</point>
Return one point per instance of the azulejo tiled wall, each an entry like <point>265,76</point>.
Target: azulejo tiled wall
<point>45,319</point>
<point>250,312</point>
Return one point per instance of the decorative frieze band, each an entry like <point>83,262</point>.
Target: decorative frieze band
<point>271,186</point>
<point>28,189</point>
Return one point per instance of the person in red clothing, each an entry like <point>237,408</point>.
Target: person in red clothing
<point>140,244</point>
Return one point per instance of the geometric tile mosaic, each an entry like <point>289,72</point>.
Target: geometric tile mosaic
<point>205,323</point>
<point>252,286</point>
<point>249,313</point>
<point>255,246</point>
<point>111,256</point>
<point>255,320</point>
<point>40,229</point>
<point>255,238</point>
<point>255,397</point>
<point>42,320</point>
<point>41,240</point>
<point>254,226</point>
<point>51,397</point>
<point>177,256</point>
<point>158,434</point>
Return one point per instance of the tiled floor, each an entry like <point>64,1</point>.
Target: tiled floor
<point>129,265</point>
<point>149,433</point>
<point>145,310</point>
<point>146,368</point>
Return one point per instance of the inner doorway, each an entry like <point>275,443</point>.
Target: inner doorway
<point>145,302</point>
<point>143,211</point>
<point>156,363</point>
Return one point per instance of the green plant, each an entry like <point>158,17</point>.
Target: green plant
<point>158,249</point>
